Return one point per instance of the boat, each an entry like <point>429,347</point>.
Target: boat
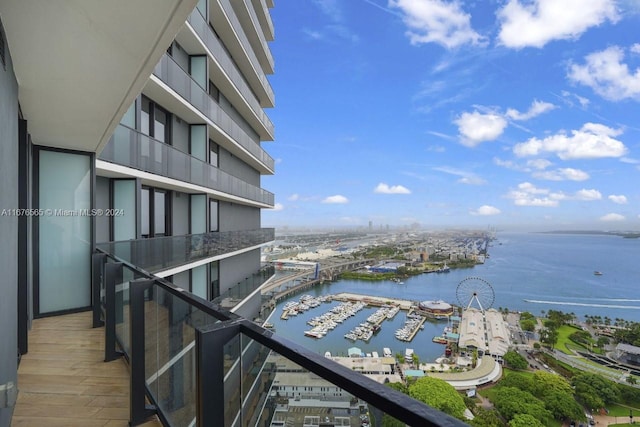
<point>386,352</point>
<point>327,354</point>
<point>440,340</point>
<point>597,273</point>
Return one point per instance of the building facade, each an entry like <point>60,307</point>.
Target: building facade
<point>136,129</point>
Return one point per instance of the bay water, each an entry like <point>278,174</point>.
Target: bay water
<point>531,272</point>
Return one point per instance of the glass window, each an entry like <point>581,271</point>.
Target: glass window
<point>64,183</point>
<point>213,153</point>
<point>145,114</point>
<point>159,212</point>
<point>144,212</point>
<point>160,125</point>
<point>214,277</point>
<point>213,215</point>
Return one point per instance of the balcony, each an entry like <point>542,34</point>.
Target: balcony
<point>213,44</point>
<point>225,21</point>
<point>253,30</point>
<point>264,17</point>
<point>200,365</point>
<point>128,147</point>
<point>238,292</point>
<point>162,253</point>
<point>171,74</point>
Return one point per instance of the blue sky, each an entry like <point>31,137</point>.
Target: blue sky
<point>507,113</point>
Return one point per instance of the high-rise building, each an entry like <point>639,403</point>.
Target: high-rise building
<point>130,164</point>
<point>134,128</point>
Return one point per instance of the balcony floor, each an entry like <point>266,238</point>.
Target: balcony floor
<point>63,380</point>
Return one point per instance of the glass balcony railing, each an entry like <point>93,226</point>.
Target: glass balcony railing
<point>161,253</point>
<point>238,292</point>
<point>237,27</point>
<point>180,81</point>
<point>202,29</point>
<point>200,365</point>
<point>259,33</point>
<point>128,147</point>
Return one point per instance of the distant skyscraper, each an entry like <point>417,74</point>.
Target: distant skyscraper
<point>370,225</point>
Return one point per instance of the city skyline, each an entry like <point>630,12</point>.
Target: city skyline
<point>454,114</point>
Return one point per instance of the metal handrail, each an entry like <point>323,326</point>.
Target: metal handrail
<point>392,402</point>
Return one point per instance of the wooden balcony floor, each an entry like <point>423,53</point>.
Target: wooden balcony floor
<point>64,381</point>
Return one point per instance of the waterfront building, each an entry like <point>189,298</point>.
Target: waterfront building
<point>485,331</point>
<point>131,165</point>
<point>435,309</point>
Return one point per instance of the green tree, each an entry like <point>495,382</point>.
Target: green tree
<point>594,391</point>
<point>549,336</point>
<point>485,418</point>
<point>438,394</point>
<point>525,420</point>
<point>528,325</point>
<point>511,401</point>
<point>515,360</point>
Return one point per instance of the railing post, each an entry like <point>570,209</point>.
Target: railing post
<point>139,411</point>
<point>210,399</point>
<point>98,261</point>
<point>112,276</point>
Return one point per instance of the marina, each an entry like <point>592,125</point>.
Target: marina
<point>349,305</point>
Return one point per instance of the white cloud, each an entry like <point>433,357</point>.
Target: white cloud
<point>477,127</point>
<point>563,174</point>
<point>383,188</point>
<point>587,195</point>
<point>539,164</point>
<point>528,194</point>
<point>536,108</point>
<point>293,197</point>
<point>437,21</point>
<point>486,210</point>
<point>337,199</point>
<point>612,217</point>
<point>607,75</point>
<point>465,176</point>
<point>619,199</point>
<point>538,22</point>
<point>592,141</point>
<point>278,207</point>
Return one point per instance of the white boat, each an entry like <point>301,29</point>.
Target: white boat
<point>327,354</point>
<point>386,352</point>
<point>408,353</point>
<point>375,354</point>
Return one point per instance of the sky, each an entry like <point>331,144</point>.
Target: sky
<point>510,114</point>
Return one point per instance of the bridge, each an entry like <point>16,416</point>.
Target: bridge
<point>329,269</point>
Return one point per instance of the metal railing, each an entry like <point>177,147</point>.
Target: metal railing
<point>180,81</point>
<point>244,41</point>
<point>238,292</point>
<point>129,147</point>
<point>162,253</point>
<point>200,365</point>
<point>202,29</point>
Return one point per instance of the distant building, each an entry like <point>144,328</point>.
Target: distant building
<point>435,309</point>
<point>484,331</point>
<point>628,354</point>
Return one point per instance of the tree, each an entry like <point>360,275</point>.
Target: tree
<point>525,420</point>
<point>511,401</point>
<point>438,394</point>
<point>485,418</point>
<point>528,325</point>
<point>515,360</point>
<point>594,391</point>
<point>549,336</point>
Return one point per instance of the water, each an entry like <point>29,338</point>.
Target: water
<point>527,272</point>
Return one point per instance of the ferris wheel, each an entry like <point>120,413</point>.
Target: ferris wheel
<point>475,289</point>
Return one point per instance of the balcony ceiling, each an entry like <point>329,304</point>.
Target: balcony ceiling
<point>81,63</point>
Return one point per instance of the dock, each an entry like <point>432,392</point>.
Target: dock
<point>374,301</point>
